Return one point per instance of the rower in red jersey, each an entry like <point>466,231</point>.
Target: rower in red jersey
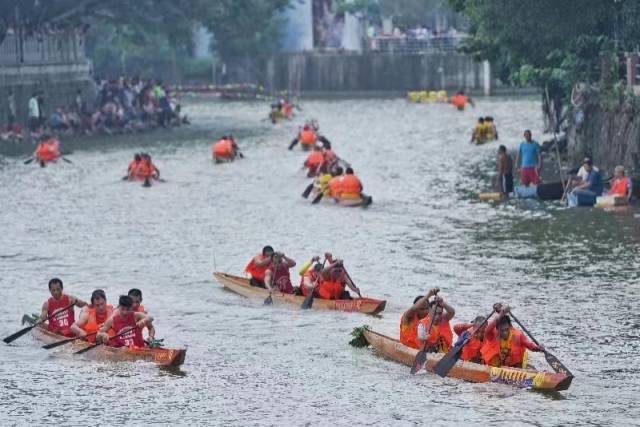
<point>58,307</point>
<point>127,322</point>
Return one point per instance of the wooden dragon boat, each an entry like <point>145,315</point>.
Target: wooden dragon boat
<point>160,356</point>
<point>240,285</point>
<point>469,371</point>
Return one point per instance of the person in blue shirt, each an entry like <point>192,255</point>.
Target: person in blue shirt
<point>586,193</point>
<point>529,160</point>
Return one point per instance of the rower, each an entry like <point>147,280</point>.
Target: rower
<point>277,276</point>
<point>121,320</point>
<point>330,157</point>
<point>479,134</point>
<point>441,336</point>
<point>460,101</point>
<point>136,296</point>
<point>224,150</point>
<point>505,345</point>
<point>334,184</point>
<point>314,161</point>
<point>146,169</point>
<point>61,322</point>
<point>307,137</point>
<point>48,150</point>
<point>471,350</point>
<point>334,280</point>
<point>92,316</point>
<point>411,318</point>
<point>492,130</point>
<point>257,267</point>
<point>133,166</point>
<point>310,273</point>
<point>350,186</point>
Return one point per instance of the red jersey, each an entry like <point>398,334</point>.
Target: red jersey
<point>61,322</point>
<point>132,338</point>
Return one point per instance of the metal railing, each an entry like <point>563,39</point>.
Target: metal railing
<point>39,49</point>
<point>403,44</point>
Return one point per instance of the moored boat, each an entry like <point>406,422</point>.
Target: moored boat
<point>241,286</point>
<point>469,371</point>
<point>160,356</point>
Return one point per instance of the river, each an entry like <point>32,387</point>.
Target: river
<point>570,275</point>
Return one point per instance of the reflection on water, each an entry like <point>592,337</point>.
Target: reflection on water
<point>571,275</point>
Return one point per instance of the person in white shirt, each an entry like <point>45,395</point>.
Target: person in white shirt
<point>34,113</point>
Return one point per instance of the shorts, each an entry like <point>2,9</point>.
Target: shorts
<point>257,283</point>
<point>506,186</point>
<point>529,176</point>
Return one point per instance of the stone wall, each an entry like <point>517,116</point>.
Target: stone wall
<point>379,72</point>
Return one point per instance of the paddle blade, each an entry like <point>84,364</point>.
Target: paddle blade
<point>317,199</point>
<point>448,361</point>
<point>308,302</point>
<point>418,364</point>
<point>67,160</point>
<point>26,162</point>
<point>307,191</point>
<point>268,300</point>
<point>556,364</point>
<point>147,183</point>
<point>58,344</point>
<point>18,334</point>
<point>84,350</point>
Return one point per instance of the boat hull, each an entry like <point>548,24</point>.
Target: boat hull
<point>469,371</point>
<point>241,286</point>
<point>159,356</point>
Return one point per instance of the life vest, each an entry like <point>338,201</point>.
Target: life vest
<point>498,352</point>
<point>441,336</point>
<point>223,148</point>
<point>409,333</point>
<point>459,101</point>
<point>331,289</point>
<point>490,131</point>
<point>61,322</point>
<point>48,151</point>
<point>282,279</point>
<point>330,157</point>
<point>350,187</point>
<point>95,321</point>
<point>255,271</point>
<point>314,160</point>
<point>133,166</point>
<point>471,350</point>
<point>313,277</point>
<point>145,169</point>
<point>308,137</point>
<point>335,186</point>
<point>620,187</point>
<point>132,338</point>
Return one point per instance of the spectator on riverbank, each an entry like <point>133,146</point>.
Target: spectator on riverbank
<point>586,193</point>
<point>529,160</point>
<point>11,109</point>
<point>33,120</point>
<point>621,185</point>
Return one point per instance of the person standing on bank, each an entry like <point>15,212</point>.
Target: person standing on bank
<point>11,109</point>
<point>529,160</point>
<point>505,171</point>
<point>34,113</point>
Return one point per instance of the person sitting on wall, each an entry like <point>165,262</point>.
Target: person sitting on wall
<point>585,193</point>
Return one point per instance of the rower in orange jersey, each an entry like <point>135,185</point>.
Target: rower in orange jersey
<point>257,267</point>
<point>412,317</point>
<point>136,297</point>
<point>225,150</point>
<point>350,186</point>
<point>56,306</point>
<point>146,169</point>
<point>440,338</point>
<point>471,350</point>
<point>310,277</point>
<point>133,166</point>
<point>48,150</point>
<point>314,162</point>
<point>124,321</point>
<point>307,137</point>
<point>277,277</point>
<point>503,344</point>
<point>460,101</point>
<point>92,316</point>
<point>334,280</point>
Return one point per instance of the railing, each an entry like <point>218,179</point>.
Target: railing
<point>38,49</point>
<point>403,44</point>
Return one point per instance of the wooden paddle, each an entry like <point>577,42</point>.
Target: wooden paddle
<point>269,300</point>
<point>551,359</point>
<point>66,160</point>
<point>307,190</point>
<point>352,282</point>
<point>317,199</point>
<point>23,331</point>
<point>91,347</point>
<point>67,341</point>
<point>26,162</point>
<point>447,362</point>
<point>421,357</point>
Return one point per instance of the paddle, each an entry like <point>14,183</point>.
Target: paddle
<point>91,347</point>
<point>317,199</point>
<point>269,300</point>
<point>23,331</point>
<point>307,191</point>
<point>66,160</point>
<point>551,359</point>
<point>352,282</point>
<point>447,362</point>
<point>26,162</point>
<point>63,342</point>
<point>421,357</point>
<point>308,301</point>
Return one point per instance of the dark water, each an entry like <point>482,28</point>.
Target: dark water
<point>571,275</point>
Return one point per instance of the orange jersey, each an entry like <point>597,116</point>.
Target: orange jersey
<point>409,332</point>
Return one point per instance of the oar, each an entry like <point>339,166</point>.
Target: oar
<point>68,340</point>
<point>269,300</point>
<point>308,301</point>
<point>125,178</point>
<point>26,162</point>
<point>91,347</point>
<point>307,191</point>
<point>351,280</point>
<point>66,160</point>
<point>23,331</point>
<point>551,359</point>
<point>317,199</point>
<point>447,362</point>
<point>421,357</point>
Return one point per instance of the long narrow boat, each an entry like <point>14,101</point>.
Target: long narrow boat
<point>469,371</point>
<point>160,356</point>
<point>240,285</point>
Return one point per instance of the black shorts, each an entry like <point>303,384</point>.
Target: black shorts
<point>257,283</point>
<point>506,186</point>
